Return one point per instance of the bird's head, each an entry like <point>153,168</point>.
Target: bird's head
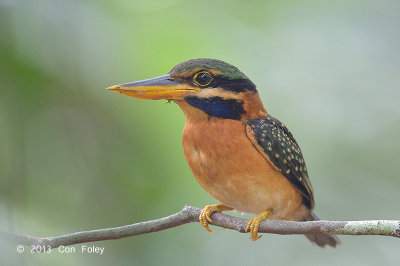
<point>202,88</point>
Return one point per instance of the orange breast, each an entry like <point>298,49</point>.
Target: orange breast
<point>229,167</point>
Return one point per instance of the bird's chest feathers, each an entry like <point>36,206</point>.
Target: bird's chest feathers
<point>218,152</point>
<point>210,147</point>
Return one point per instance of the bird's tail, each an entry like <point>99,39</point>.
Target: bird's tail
<point>321,239</point>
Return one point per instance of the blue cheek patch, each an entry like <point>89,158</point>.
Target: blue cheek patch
<point>218,107</point>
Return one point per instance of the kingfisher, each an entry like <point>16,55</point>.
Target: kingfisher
<point>243,157</point>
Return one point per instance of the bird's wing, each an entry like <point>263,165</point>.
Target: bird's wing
<point>275,142</point>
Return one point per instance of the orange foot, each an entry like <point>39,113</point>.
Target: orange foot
<point>254,224</point>
<point>207,211</point>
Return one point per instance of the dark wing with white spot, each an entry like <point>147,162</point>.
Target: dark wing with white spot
<point>284,152</point>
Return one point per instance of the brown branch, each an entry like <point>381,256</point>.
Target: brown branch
<point>190,214</point>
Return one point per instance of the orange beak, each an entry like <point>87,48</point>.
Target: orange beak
<point>163,87</point>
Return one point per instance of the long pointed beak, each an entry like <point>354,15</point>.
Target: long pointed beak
<point>162,87</point>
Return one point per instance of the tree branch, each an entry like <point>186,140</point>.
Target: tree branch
<point>190,214</point>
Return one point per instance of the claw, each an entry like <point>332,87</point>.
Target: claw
<point>249,224</point>
<point>204,217</point>
<point>254,224</point>
<point>205,214</point>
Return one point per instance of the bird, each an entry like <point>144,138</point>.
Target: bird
<point>242,156</point>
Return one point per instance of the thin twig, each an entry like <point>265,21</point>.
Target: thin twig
<point>190,214</point>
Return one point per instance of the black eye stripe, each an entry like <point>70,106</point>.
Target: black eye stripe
<point>236,85</point>
<point>219,81</point>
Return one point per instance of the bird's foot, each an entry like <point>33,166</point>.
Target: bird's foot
<point>204,217</point>
<point>254,224</point>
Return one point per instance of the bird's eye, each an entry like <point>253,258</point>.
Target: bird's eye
<point>202,78</point>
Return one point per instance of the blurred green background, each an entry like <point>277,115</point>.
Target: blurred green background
<point>75,157</point>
